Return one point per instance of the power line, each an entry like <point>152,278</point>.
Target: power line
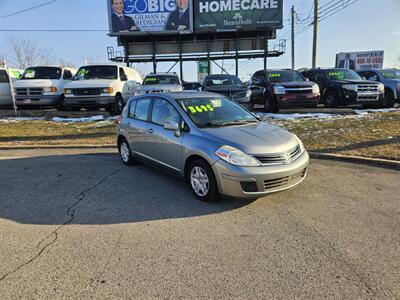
<point>27,9</point>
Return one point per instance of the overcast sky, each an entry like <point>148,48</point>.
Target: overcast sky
<point>366,25</point>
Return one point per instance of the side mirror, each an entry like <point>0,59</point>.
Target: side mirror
<point>307,79</point>
<point>173,126</point>
<point>363,78</point>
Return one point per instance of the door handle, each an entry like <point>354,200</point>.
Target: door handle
<point>150,130</point>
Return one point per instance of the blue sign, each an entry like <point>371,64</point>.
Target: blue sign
<point>144,16</point>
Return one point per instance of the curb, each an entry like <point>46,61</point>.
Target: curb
<point>392,164</point>
<point>30,147</point>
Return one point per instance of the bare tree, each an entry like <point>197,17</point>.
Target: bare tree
<point>66,63</point>
<point>26,53</point>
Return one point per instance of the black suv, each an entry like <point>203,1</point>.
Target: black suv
<point>345,87</point>
<point>282,88</point>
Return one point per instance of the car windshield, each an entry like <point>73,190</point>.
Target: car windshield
<point>284,76</point>
<point>222,80</point>
<point>42,73</point>
<point>96,72</point>
<point>161,79</point>
<point>342,74</point>
<point>215,112</point>
<point>391,74</point>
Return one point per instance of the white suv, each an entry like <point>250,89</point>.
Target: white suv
<point>5,91</point>
<point>107,85</point>
<point>42,86</point>
<point>161,83</point>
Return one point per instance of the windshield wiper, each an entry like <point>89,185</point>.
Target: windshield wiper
<point>238,122</point>
<point>210,124</point>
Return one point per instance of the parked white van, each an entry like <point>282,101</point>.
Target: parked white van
<point>42,86</point>
<point>103,85</point>
<point>5,93</point>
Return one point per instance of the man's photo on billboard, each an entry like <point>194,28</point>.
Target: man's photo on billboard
<point>179,18</point>
<point>347,63</point>
<point>119,21</point>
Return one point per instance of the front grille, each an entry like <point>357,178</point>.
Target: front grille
<point>87,92</point>
<point>279,158</point>
<point>239,95</point>
<point>284,181</point>
<point>362,88</point>
<point>29,91</point>
<point>299,90</point>
<point>155,91</point>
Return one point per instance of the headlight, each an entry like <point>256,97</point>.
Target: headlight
<point>381,88</point>
<point>248,94</point>
<point>51,89</point>
<point>67,91</point>
<point>107,90</point>
<point>279,90</point>
<point>315,89</point>
<point>300,143</point>
<point>351,87</point>
<point>236,157</point>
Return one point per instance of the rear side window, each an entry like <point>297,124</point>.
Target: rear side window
<point>131,113</point>
<point>142,109</point>
<point>3,76</point>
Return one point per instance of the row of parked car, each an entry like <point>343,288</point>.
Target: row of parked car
<point>109,86</point>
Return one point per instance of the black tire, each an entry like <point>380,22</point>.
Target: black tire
<point>269,105</point>
<point>331,100</point>
<point>208,191</point>
<point>117,106</point>
<point>60,106</point>
<point>388,100</point>
<point>125,152</point>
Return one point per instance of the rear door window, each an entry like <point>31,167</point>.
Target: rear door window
<point>3,76</point>
<point>142,109</point>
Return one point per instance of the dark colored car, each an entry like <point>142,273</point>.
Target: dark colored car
<point>345,87</point>
<point>191,86</point>
<point>390,79</point>
<point>282,88</point>
<point>227,85</point>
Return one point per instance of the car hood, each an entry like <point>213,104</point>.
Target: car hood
<point>162,87</point>
<point>90,83</point>
<point>40,83</point>
<point>293,84</point>
<point>226,89</point>
<point>348,81</point>
<point>257,138</point>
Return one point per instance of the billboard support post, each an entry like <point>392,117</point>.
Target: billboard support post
<point>154,56</point>
<point>208,56</point>
<point>265,51</point>
<point>180,59</point>
<point>236,56</point>
<point>126,49</point>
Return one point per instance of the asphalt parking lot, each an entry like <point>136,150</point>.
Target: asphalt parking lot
<point>79,224</point>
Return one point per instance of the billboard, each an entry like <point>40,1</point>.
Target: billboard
<point>231,15</point>
<point>135,17</point>
<point>360,60</point>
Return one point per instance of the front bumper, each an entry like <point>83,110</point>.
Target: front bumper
<point>294,99</point>
<point>87,101</point>
<point>352,97</point>
<point>266,179</point>
<point>38,100</point>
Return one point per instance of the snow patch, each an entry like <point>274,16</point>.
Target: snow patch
<point>86,119</point>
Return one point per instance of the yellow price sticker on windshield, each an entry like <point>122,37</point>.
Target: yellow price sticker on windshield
<point>200,108</point>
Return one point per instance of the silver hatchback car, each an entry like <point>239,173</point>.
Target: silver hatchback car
<point>213,142</point>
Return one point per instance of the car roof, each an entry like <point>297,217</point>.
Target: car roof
<point>219,75</point>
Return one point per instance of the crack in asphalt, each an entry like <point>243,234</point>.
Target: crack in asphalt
<point>71,214</point>
<point>97,280</point>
